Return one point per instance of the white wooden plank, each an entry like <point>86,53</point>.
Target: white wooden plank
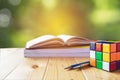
<point>9,62</point>
<point>29,69</point>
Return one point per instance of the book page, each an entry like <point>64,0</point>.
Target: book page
<point>39,39</point>
<point>78,41</point>
<point>52,43</point>
<point>74,40</point>
<point>65,37</point>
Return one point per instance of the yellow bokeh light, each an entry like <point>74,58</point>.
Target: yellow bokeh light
<point>49,4</point>
<point>52,18</point>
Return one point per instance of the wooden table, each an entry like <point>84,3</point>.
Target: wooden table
<point>13,66</point>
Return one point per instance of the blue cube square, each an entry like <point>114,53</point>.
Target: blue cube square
<point>92,45</point>
<point>118,64</point>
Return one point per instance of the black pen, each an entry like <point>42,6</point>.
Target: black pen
<point>74,66</point>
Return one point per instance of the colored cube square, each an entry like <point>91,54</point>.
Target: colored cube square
<point>98,55</point>
<point>92,54</point>
<point>92,62</point>
<point>92,45</point>
<point>106,66</point>
<point>113,57</point>
<point>118,47</point>
<point>98,46</point>
<point>106,57</point>
<point>118,64</point>
<point>106,48</point>
<point>118,55</point>
<point>112,47</point>
<point>113,66</point>
<point>98,64</point>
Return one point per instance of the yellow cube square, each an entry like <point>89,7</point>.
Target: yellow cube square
<point>106,48</point>
<point>106,57</point>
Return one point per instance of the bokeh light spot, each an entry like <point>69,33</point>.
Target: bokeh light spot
<point>14,2</point>
<point>49,4</point>
<point>104,16</point>
<point>5,16</point>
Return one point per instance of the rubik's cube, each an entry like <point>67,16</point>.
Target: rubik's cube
<point>105,55</point>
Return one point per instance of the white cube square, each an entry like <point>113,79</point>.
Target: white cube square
<point>92,54</point>
<point>106,66</point>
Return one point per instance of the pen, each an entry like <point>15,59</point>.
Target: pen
<point>74,66</point>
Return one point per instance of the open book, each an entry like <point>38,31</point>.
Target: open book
<point>60,41</point>
<point>57,46</point>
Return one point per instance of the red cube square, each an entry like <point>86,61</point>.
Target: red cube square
<point>113,66</point>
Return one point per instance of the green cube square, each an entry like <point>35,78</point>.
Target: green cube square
<point>98,55</point>
<point>99,64</point>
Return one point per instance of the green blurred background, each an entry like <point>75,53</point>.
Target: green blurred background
<point>23,20</point>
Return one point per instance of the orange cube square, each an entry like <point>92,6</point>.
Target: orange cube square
<point>118,55</point>
<point>92,62</point>
<point>98,46</point>
<point>113,57</point>
<point>113,48</point>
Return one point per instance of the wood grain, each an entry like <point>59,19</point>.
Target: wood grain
<point>55,70</point>
<point>29,69</point>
